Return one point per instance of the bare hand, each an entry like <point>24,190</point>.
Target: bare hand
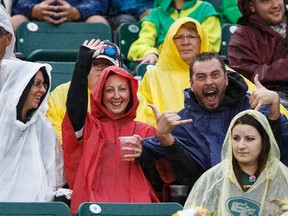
<point>150,58</point>
<point>44,11</point>
<point>262,96</point>
<point>136,149</point>
<point>66,12</point>
<point>166,122</point>
<point>96,45</point>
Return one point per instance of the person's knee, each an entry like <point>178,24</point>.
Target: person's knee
<point>17,20</point>
<point>97,19</point>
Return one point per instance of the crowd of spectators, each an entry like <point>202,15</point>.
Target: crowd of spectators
<point>180,114</point>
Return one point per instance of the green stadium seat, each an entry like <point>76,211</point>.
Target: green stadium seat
<point>127,34</point>
<point>227,31</point>
<point>34,208</point>
<point>42,41</point>
<point>142,68</point>
<point>61,72</point>
<point>216,4</point>
<point>128,209</point>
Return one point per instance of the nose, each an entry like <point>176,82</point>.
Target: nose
<point>42,89</point>
<point>241,144</point>
<point>116,94</point>
<point>185,40</point>
<point>208,80</point>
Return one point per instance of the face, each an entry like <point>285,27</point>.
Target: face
<point>271,11</point>
<point>188,44</point>
<point>5,41</point>
<point>246,145</point>
<point>36,92</point>
<point>209,83</point>
<point>98,65</point>
<point>116,95</point>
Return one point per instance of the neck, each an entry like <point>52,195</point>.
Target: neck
<point>251,170</point>
<point>179,4</point>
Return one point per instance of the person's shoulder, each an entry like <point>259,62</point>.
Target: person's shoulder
<point>62,87</point>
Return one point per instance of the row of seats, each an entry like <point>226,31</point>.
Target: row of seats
<point>89,209</point>
<point>58,44</point>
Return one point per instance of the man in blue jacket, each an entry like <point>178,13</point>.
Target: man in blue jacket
<point>192,138</point>
<point>58,11</point>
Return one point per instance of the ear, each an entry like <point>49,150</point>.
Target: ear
<point>9,39</point>
<point>252,6</point>
<point>191,84</point>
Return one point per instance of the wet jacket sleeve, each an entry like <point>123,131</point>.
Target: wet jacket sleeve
<point>212,27</point>
<point>24,7</point>
<point>247,57</point>
<point>77,98</point>
<point>146,42</point>
<point>89,8</point>
<point>185,169</point>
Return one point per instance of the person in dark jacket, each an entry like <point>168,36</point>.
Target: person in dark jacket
<point>192,138</point>
<point>260,44</point>
<point>59,11</point>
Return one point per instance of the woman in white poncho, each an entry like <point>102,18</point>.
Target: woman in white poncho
<point>31,161</point>
<point>249,181</point>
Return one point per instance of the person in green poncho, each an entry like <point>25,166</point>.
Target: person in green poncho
<point>155,25</point>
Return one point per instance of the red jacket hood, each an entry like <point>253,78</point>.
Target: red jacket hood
<point>98,110</point>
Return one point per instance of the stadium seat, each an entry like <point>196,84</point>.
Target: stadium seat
<point>127,34</point>
<point>142,68</point>
<point>227,31</point>
<point>61,72</point>
<point>42,41</point>
<point>128,209</point>
<point>34,208</point>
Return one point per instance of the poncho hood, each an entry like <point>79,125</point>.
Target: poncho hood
<point>97,108</point>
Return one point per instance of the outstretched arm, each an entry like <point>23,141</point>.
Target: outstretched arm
<point>77,98</point>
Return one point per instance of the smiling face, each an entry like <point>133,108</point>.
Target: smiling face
<point>116,95</point>
<point>271,11</point>
<point>209,83</point>
<point>246,146</point>
<point>35,94</point>
<point>188,44</point>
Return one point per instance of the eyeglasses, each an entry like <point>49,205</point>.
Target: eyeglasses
<point>190,37</point>
<point>38,84</point>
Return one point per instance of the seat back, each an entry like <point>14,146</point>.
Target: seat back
<point>35,38</point>
<point>127,34</point>
<point>34,208</point>
<point>61,73</point>
<point>227,31</point>
<point>142,68</point>
<point>128,209</point>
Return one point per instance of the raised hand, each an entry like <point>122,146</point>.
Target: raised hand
<point>96,45</point>
<point>262,96</point>
<point>166,122</point>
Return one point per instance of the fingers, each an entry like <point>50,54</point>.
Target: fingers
<point>155,110</point>
<point>257,82</point>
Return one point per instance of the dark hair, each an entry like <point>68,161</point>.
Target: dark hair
<point>206,56</point>
<point>263,156</point>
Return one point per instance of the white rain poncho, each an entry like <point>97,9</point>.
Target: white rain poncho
<point>7,25</point>
<point>219,192</point>
<point>31,159</point>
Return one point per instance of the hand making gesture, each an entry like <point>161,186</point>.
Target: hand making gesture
<point>262,96</point>
<point>166,122</point>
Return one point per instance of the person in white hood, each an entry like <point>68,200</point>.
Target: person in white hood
<point>31,159</point>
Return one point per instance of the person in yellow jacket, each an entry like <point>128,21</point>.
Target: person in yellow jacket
<point>155,26</point>
<point>163,85</point>
<point>57,100</point>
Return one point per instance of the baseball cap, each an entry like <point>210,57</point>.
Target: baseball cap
<point>110,52</point>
